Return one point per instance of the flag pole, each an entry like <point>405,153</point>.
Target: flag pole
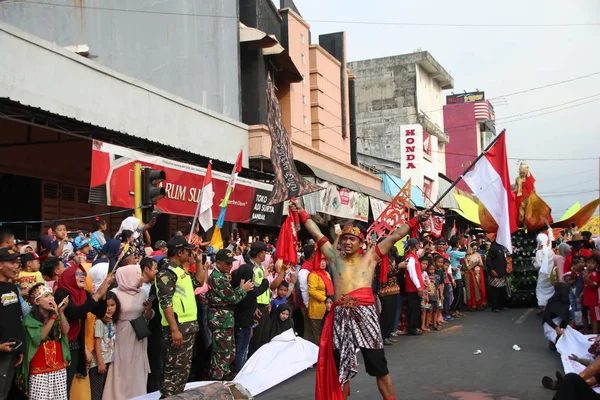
<point>493,142</point>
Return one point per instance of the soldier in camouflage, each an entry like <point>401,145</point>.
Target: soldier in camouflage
<point>175,288</point>
<point>221,299</point>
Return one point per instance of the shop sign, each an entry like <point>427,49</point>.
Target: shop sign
<point>465,97</point>
<point>329,201</point>
<point>112,184</point>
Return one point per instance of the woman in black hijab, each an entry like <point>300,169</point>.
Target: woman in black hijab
<point>558,306</point>
<point>282,321</point>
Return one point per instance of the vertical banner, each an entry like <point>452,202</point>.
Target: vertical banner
<point>394,215</point>
<point>288,182</point>
<point>377,206</point>
<point>411,153</point>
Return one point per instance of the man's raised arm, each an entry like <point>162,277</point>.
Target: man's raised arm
<point>312,228</point>
<point>386,244</point>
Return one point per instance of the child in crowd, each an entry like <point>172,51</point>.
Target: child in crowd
<point>591,281</point>
<point>328,305</point>
<point>98,239</point>
<point>433,290</point>
<point>43,372</point>
<point>438,261</point>
<point>281,298</point>
<point>425,306</point>
<point>30,271</point>
<point>448,283</point>
<point>104,345</point>
<point>282,321</point>
<point>61,247</point>
<point>577,270</point>
<point>82,248</point>
<point>52,268</point>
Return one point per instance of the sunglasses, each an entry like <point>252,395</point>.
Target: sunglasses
<point>81,274</point>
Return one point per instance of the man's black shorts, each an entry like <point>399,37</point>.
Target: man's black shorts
<point>375,362</point>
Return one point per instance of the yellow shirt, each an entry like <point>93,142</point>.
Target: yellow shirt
<point>317,295</point>
<point>28,279</point>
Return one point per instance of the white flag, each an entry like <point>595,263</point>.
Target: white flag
<point>206,202</point>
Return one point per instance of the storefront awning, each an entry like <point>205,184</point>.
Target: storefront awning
<point>392,184</point>
<point>83,90</point>
<point>448,201</point>
<point>348,184</point>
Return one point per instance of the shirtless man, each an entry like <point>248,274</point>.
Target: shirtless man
<point>352,323</point>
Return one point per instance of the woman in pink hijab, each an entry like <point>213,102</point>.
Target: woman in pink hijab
<point>128,374</point>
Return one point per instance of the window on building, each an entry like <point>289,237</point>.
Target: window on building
<point>302,38</point>
<point>302,58</point>
<point>303,80</point>
<point>303,99</point>
<point>426,146</point>
<point>305,120</point>
<point>427,189</point>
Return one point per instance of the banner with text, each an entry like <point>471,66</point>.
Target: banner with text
<point>339,202</point>
<point>111,183</point>
<point>377,207</point>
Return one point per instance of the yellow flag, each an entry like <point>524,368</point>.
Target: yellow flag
<point>216,241</point>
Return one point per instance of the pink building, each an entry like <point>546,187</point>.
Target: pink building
<point>469,121</point>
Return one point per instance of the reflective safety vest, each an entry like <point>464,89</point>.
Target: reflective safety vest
<point>184,302</point>
<point>259,275</point>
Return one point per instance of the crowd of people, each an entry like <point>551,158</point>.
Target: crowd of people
<point>567,294</point>
<point>95,317</point>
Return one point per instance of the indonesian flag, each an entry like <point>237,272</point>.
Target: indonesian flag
<point>237,168</point>
<point>453,230</point>
<point>206,202</point>
<point>490,182</point>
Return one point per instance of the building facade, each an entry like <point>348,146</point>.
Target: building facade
<point>399,118</point>
<point>469,120</point>
<point>188,48</point>
<point>316,108</point>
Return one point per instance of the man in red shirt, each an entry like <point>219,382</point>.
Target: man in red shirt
<point>576,250</point>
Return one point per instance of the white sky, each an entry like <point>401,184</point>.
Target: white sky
<point>500,60</point>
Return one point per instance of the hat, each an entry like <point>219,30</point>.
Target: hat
<point>257,247</point>
<point>160,244</point>
<point>29,257</point>
<point>177,242</point>
<point>24,248</point>
<point>441,241</point>
<point>20,241</point>
<point>226,255</point>
<point>352,230</point>
<point>412,242</point>
<point>80,242</point>
<point>8,254</point>
<point>576,239</point>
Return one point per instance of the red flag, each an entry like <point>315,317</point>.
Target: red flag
<point>287,242</point>
<point>489,180</point>
<point>394,215</point>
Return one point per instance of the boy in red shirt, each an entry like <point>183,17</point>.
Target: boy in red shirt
<point>591,281</point>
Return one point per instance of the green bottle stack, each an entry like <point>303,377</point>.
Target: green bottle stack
<point>523,280</point>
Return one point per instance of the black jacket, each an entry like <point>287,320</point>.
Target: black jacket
<point>245,309</point>
<point>496,260</point>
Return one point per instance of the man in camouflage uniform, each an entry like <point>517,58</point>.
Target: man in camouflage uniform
<point>175,287</point>
<point>221,299</point>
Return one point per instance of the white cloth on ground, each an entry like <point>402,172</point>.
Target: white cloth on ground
<point>283,357</point>
<point>571,342</point>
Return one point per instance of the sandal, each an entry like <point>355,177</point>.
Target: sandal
<point>548,383</point>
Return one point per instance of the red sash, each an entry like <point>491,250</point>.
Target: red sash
<point>328,383</point>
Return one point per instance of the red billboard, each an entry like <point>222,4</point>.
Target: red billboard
<point>111,183</point>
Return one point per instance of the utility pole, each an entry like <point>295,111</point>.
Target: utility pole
<point>137,189</point>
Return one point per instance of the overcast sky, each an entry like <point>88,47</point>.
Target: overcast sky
<point>499,61</point>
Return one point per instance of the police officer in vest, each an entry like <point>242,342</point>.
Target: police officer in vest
<point>175,286</point>
<point>260,334</point>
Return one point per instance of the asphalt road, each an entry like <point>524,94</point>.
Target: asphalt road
<point>441,365</point>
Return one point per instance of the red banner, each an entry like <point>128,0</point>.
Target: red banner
<point>394,215</point>
<point>112,184</point>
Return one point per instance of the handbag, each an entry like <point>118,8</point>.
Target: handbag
<point>141,328</point>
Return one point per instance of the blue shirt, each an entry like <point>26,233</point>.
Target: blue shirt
<point>455,257</point>
<point>276,302</point>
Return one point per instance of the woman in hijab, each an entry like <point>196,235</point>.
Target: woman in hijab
<point>71,283</point>
<point>282,322</point>
<point>559,259</point>
<point>544,262</point>
<point>139,230</point>
<point>558,306</point>
<point>105,263</point>
<point>128,374</point>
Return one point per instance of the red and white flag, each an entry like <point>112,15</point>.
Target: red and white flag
<point>206,202</point>
<point>453,230</point>
<point>489,180</point>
